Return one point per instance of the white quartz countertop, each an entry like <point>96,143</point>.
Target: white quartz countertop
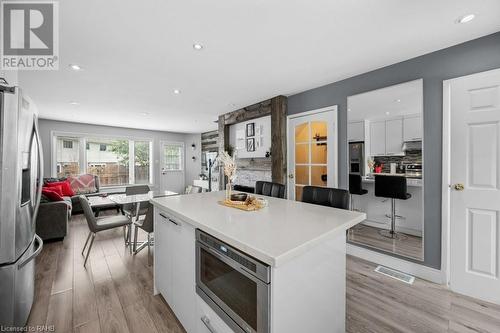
<point>275,234</point>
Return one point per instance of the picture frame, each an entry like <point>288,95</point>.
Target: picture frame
<point>250,129</point>
<point>250,144</point>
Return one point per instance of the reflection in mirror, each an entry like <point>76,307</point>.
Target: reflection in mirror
<point>385,132</point>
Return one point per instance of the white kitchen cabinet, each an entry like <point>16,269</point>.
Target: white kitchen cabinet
<point>356,131</point>
<point>175,266</point>
<point>412,128</point>
<point>377,138</point>
<point>394,137</point>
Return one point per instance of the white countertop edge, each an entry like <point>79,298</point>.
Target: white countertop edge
<point>265,258</point>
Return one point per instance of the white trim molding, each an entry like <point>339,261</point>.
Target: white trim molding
<point>420,271</point>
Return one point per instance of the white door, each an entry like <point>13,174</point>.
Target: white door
<point>312,147</point>
<point>474,107</point>
<point>172,166</point>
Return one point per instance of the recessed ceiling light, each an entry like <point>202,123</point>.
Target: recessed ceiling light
<point>397,100</point>
<point>197,47</point>
<point>387,113</point>
<point>466,18</point>
<point>75,67</point>
<point>74,103</point>
<point>348,109</point>
<point>144,113</point>
<point>177,91</point>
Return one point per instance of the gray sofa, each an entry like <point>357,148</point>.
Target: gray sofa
<point>52,219</point>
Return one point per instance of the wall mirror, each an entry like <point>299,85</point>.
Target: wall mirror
<point>385,164</point>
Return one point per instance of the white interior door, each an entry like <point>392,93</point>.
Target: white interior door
<point>172,166</point>
<point>312,151</point>
<point>474,107</point>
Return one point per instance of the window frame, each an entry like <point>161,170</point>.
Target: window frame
<point>82,156</point>
<point>179,144</point>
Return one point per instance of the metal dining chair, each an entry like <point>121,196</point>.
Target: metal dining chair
<point>145,223</point>
<point>130,209</point>
<point>98,224</point>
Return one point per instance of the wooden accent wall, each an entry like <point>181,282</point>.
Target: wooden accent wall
<point>276,108</point>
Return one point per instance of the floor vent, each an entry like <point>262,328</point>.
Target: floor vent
<point>395,274</point>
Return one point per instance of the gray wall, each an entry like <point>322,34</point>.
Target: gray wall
<point>471,57</point>
<point>191,169</point>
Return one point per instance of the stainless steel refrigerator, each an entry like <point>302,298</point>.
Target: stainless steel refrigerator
<point>21,173</point>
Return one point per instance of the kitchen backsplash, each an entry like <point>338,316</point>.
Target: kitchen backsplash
<point>414,156</point>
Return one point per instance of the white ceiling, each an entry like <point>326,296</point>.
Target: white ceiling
<point>397,100</point>
<point>135,53</point>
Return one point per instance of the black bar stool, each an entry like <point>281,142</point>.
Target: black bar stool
<point>270,189</point>
<point>355,187</point>
<point>325,196</point>
<point>392,187</point>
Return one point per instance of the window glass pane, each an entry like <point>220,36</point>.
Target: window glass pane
<point>141,162</point>
<point>172,157</point>
<point>302,133</point>
<point>108,159</point>
<point>302,153</point>
<point>302,175</point>
<point>318,153</point>
<point>67,157</point>
<point>318,175</point>
<point>319,130</point>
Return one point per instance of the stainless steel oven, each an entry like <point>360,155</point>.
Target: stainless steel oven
<point>235,285</point>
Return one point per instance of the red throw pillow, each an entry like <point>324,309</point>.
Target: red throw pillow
<point>67,191</point>
<point>51,194</point>
<point>57,189</point>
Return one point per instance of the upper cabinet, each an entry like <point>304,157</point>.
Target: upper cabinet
<point>377,138</point>
<point>394,137</point>
<point>412,128</point>
<point>386,137</point>
<point>356,131</point>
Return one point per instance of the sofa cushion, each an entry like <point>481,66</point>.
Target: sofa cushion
<point>51,194</point>
<point>65,186</point>
<point>83,184</point>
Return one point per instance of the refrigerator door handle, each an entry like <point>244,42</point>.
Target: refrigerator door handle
<point>39,248</point>
<point>40,168</point>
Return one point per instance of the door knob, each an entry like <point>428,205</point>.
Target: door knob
<point>459,187</point>
<point>290,176</point>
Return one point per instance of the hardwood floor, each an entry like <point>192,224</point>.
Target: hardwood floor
<point>408,245</point>
<point>115,294</point>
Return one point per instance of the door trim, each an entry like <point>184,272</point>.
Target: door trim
<point>332,108</point>
<point>446,174</point>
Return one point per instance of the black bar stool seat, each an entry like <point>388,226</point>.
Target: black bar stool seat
<point>325,196</point>
<point>394,188</point>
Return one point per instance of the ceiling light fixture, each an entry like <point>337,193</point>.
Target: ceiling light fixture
<point>197,47</point>
<point>387,113</point>
<point>466,18</point>
<point>144,113</point>
<point>74,103</point>
<point>75,67</point>
<point>177,91</point>
<point>397,100</point>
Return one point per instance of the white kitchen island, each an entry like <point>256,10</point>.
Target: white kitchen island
<point>303,244</point>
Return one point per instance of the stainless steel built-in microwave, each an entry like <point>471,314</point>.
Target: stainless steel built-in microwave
<point>235,285</point>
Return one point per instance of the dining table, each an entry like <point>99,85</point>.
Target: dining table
<point>137,200</point>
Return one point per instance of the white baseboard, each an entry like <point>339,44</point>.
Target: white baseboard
<point>420,271</point>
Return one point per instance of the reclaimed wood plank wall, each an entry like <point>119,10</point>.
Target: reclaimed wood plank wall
<point>276,108</point>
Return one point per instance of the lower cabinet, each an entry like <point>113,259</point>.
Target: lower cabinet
<point>175,267</point>
<point>207,320</point>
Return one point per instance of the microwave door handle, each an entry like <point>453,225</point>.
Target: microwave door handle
<point>206,321</point>
<point>40,167</point>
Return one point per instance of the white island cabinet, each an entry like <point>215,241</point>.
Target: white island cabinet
<point>303,245</point>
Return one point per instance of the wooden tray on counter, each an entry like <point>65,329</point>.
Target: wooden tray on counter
<point>241,205</point>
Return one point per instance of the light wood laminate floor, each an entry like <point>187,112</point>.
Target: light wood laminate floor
<point>115,294</point>
<point>407,245</point>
